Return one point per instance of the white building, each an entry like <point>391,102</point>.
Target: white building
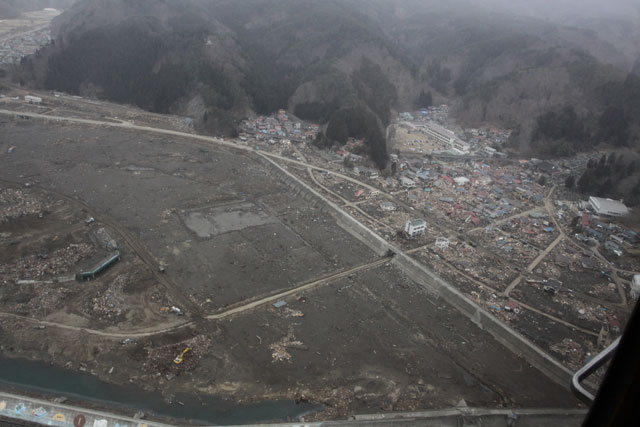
<point>440,134</point>
<point>460,147</point>
<point>407,182</point>
<point>608,207</point>
<point>415,227</point>
<point>635,287</point>
<point>33,99</point>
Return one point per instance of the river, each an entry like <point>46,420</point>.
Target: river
<point>52,381</point>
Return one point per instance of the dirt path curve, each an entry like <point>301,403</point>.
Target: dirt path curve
<point>302,288</point>
<point>244,307</point>
<point>218,141</point>
<point>141,333</point>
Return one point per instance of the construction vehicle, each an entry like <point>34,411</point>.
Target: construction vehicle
<point>179,358</point>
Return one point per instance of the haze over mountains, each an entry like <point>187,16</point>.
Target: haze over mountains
<point>353,62</point>
<point>10,9</point>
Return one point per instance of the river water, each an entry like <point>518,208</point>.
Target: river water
<point>52,381</point>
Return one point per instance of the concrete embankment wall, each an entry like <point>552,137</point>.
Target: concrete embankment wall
<point>500,331</point>
<point>309,194</point>
<point>422,275</point>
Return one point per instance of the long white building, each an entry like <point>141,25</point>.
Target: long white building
<point>460,147</point>
<point>445,137</point>
<point>440,134</point>
<point>608,207</point>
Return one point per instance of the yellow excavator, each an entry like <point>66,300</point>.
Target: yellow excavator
<point>179,358</point>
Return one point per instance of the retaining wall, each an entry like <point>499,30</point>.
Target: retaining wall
<point>432,282</point>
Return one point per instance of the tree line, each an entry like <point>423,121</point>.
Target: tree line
<point>615,176</point>
<point>358,121</point>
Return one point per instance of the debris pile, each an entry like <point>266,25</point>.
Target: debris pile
<point>570,351</point>
<point>108,304</point>
<point>59,262</point>
<point>288,312</point>
<point>106,239</point>
<point>45,300</point>
<point>15,203</point>
<point>279,349</point>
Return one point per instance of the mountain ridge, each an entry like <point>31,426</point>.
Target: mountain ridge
<point>219,60</point>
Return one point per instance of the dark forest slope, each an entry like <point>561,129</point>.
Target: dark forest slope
<point>345,60</point>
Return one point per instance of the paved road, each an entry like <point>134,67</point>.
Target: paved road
<point>65,415</point>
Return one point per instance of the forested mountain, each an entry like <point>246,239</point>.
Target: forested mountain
<point>349,61</point>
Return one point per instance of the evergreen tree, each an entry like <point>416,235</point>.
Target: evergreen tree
<point>586,183</point>
<point>338,130</point>
<point>603,160</point>
<point>425,100</point>
<point>606,188</point>
<point>570,182</point>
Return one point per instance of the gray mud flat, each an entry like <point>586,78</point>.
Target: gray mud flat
<point>226,219</point>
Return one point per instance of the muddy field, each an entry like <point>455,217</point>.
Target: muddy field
<point>192,206</point>
<point>371,342</point>
<point>226,233</point>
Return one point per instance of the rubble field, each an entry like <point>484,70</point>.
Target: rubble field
<point>45,241</point>
<point>202,230</point>
<point>566,344</point>
<point>337,344</point>
<point>191,205</point>
<point>451,263</point>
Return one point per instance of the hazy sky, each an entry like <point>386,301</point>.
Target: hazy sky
<point>568,9</point>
